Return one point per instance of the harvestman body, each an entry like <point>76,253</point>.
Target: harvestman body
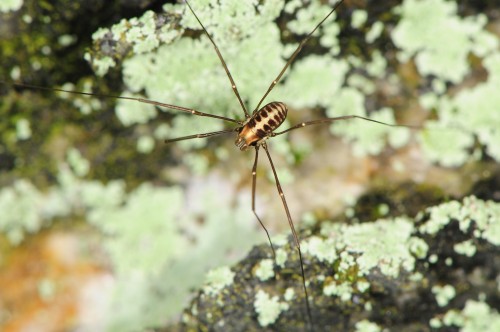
<point>253,131</point>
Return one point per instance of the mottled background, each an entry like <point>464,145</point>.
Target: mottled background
<point>104,227</point>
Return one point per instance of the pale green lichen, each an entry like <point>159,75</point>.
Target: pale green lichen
<point>367,326</point>
<point>145,144</point>
<point>285,176</point>
<point>363,286</point>
<point>281,257</point>
<point>366,138</point>
<point>279,239</point>
<point>418,247</point>
<point>78,163</point>
<point>466,248</point>
<point>375,31</point>
<point>130,113</point>
<point>10,5</point>
<point>67,40</point>
<point>445,145</point>
<point>453,317</point>
<point>265,269</point>
<point>358,18</point>
<point>435,323</point>
<point>86,104</point>
<point>19,215</point>
<point>374,248</point>
<point>23,129</point>
<point>171,73</point>
<point>268,309</point>
<point>485,214</point>
<point>439,39</point>
<point>377,66</point>
<point>443,294</point>
<point>433,259</point>
<point>342,290</point>
<point>289,294</point>
<point>217,279</point>
<point>441,43</point>
<point>322,249</point>
<point>46,289</point>
<point>475,316</point>
<point>102,65</point>
<point>15,73</point>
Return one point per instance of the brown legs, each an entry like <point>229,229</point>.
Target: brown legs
<point>290,222</point>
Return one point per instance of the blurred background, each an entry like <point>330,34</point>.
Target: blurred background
<point>103,227</point>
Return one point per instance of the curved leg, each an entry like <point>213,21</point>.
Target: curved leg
<point>296,238</point>
<point>254,184</point>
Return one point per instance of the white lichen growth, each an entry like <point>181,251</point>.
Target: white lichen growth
<point>439,39</point>
<point>19,215</point>
<point>382,244</point>
<point>10,5</point>
<point>375,31</point>
<point>86,104</point>
<point>358,18</point>
<point>343,290</point>
<point>268,309</point>
<point>281,257</point>
<point>217,279</point>
<point>265,269</point>
<point>78,163</point>
<point>23,129</point>
<point>475,316</point>
<point>134,113</point>
<point>322,249</point>
<point>433,259</point>
<point>145,144</point>
<point>418,247</point>
<point>367,326</point>
<point>485,214</point>
<point>363,286</point>
<point>443,294</point>
<point>289,294</point>
<point>466,248</point>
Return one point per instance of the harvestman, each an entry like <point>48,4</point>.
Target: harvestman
<point>253,131</point>
<point>260,126</point>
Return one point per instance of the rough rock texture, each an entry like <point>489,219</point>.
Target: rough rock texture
<point>441,271</point>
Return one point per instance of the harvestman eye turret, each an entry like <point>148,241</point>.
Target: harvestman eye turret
<point>254,131</point>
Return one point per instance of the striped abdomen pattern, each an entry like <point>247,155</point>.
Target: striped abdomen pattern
<point>261,124</point>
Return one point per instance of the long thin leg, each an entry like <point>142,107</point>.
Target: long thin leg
<point>296,238</point>
<point>233,84</point>
<point>294,55</point>
<point>254,184</point>
<point>213,133</point>
<point>345,117</point>
<point>141,100</point>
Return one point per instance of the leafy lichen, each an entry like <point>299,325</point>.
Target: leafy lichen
<point>268,308</point>
<point>475,316</point>
<point>431,31</point>
<point>443,294</point>
<point>367,326</point>
<point>485,214</point>
<point>217,279</point>
<point>10,5</point>
<point>265,269</point>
